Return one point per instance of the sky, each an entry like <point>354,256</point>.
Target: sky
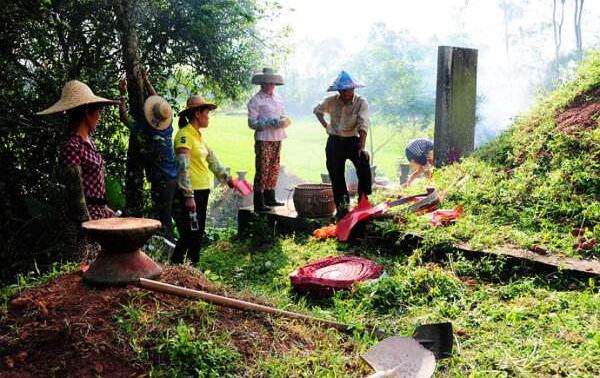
<point>481,20</point>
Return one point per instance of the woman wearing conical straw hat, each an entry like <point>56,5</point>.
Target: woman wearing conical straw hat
<point>195,160</point>
<point>266,116</point>
<point>83,165</point>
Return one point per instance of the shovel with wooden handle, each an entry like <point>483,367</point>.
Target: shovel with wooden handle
<point>435,197</point>
<point>364,211</point>
<point>402,200</point>
<point>437,338</point>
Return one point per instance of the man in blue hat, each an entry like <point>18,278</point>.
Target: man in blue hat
<point>347,129</point>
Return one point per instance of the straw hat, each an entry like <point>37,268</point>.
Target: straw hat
<point>267,77</point>
<point>196,101</point>
<point>344,81</point>
<point>75,94</point>
<point>158,112</point>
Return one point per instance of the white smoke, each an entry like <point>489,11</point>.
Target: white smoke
<point>508,79</point>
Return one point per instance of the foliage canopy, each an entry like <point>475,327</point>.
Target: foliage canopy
<point>46,43</point>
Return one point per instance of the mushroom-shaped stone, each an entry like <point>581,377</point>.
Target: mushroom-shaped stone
<point>121,261</point>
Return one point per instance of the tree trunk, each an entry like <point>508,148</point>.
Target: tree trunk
<point>124,11</point>
<point>578,41</point>
<point>557,26</point>
<point>506,43</point>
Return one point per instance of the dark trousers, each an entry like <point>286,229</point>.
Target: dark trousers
<point>189,241</point>
<point>338,150</point>
<point>163,192</point>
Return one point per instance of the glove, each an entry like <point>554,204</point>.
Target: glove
<point>284,122</point>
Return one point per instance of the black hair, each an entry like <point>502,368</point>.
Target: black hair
<point>76,115</point>
<point>183,120</point>
<point>187,115</point>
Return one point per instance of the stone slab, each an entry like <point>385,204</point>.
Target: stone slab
<point>454,133</point>
<point>561,262</point>
<point>284,220</point>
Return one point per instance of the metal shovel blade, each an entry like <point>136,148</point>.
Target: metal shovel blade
<point>432,199</point>
<point>400,357</point>
<point>437,337</point>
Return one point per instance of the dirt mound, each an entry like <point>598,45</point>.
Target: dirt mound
<point>67,328</point>
<point>582,114</point>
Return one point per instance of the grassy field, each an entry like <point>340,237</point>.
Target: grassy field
<point>508,321</point>
<point>517,326</point>
<point>303,152</point>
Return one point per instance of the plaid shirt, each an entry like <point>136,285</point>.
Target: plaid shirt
<point>77,152</point>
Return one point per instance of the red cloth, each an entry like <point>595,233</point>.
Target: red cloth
<point>325,232</point>
<point>362,211</point>
<point>445,217</point>
<point>334,272</point>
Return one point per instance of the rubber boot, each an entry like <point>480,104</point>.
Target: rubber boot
<point>259,202</point>
<point>270,199</point>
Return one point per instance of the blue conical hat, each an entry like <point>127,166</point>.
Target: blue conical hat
<point>344,81</point>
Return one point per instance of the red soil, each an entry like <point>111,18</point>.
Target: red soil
<point>582,114</point>
<point>67,329</point>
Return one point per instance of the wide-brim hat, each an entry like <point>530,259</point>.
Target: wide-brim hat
<point>196,101</point>
<point>75,94</point>
<point>158,112</point>
<point>344,81</point>
<point>267,77</point>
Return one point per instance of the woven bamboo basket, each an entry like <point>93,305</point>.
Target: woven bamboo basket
<point>314,200</point>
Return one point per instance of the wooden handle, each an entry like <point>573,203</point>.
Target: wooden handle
<point>221,300</point>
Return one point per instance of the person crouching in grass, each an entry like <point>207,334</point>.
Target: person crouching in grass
<point>419,153</point>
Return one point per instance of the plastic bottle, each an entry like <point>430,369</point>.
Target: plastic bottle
<point>194,221</point>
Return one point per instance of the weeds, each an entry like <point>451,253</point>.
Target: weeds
<point>31,279</point>
<point>531,187</point>
<point>189,352</point>
<point>409,287</point>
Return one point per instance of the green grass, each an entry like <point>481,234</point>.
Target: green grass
<point>303,152</point>
<point>531,187</point>
<point>517,327</point>
<point>508,322</point>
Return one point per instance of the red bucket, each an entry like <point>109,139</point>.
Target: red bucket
<point>242,186</point>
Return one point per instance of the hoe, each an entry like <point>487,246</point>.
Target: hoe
<point>393,356</point>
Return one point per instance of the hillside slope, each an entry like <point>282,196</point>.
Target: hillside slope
<point>538,185</point>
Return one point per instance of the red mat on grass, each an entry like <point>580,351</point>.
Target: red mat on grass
<point>363,210</point>
<point>333,272</point>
